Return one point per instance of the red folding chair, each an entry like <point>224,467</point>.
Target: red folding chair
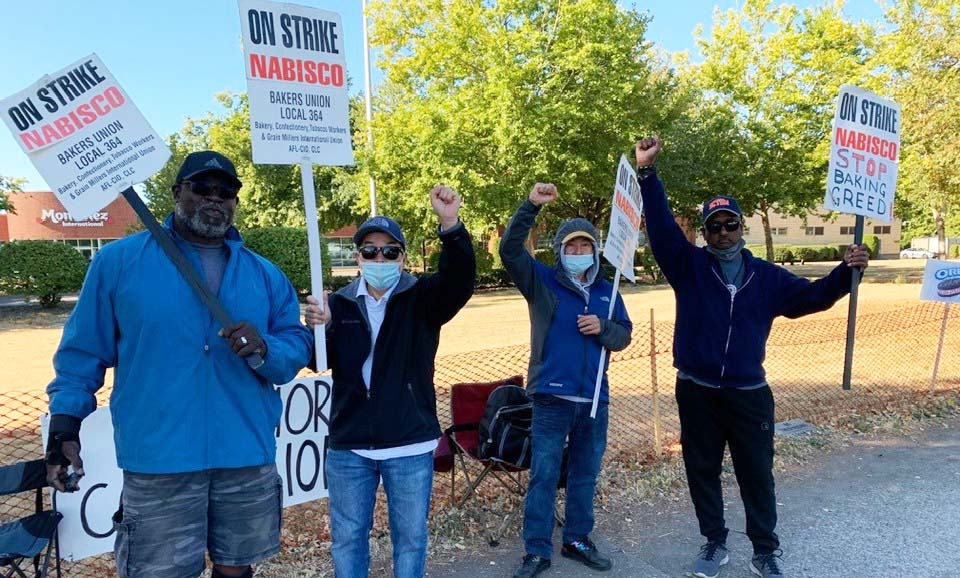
<point>467,404</point>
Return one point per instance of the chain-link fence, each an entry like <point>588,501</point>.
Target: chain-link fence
<point>894,357</point>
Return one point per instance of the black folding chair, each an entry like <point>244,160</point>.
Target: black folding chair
<point>33,537</point>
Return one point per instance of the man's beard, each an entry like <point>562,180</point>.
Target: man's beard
<point>195,222</point>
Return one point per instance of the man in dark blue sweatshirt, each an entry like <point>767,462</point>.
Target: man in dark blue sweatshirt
<point>726,303</point>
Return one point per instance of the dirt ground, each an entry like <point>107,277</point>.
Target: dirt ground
<point>29,337</point>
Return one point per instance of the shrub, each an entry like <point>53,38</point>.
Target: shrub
<point>484,260</point>
<point>287,248</point>
<point>42,269</point>
<point>954,251</point>
<point>873,244</point>
<point>806,253</point>
<point>649,265</point>
<point>758,251</point>
<point>336,282</point>
<point>784,254</point>
<point>545,256</point>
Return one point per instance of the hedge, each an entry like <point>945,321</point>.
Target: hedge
<point>287,248</point>
<point>41,269</point>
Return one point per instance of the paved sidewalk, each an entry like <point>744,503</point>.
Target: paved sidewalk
<point>886,507</point>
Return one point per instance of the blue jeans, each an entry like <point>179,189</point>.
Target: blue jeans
<point>554,420</point>
<point>352,481</point>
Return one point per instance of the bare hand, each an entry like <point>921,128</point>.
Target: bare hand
<point>57,475</point>
<point>244,339</point>
<point>543,193</point>
<point>588,324</point>
<point>648,149</point>
<point>856,256</point>
<point>315,314</point>
<point>446,204</point>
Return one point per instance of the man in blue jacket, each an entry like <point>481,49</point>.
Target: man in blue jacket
<point>193,423</point>
<point>726,303</point>
<point>382,335</point>
<point>568,306</point>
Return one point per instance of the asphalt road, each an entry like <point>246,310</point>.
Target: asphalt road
<point>887,507</point>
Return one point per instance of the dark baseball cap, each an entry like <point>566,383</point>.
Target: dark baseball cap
<point>382,225</point>
<point>206,162</point>
<point>720,203</point>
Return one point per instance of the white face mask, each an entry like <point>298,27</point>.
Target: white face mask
<point>576,265</point>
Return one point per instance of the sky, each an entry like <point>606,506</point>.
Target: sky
<point>173,56</point>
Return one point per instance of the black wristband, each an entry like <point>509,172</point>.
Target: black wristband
<point>645,171</point>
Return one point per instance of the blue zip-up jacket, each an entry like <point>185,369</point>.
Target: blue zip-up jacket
<point>721,334</point>
<point>563,361</point>
<point>182,400</point>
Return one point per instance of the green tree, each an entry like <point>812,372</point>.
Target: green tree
<point>779,69</point>
<point>922,52</point>
<point>271,194</point>
<point>490,97</point>
<point>9,185</point>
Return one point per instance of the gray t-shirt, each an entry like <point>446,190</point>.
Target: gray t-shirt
<point>213,259</point>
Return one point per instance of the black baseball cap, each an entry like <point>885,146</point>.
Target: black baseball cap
<point>382,225</point>
<point>206,162</point>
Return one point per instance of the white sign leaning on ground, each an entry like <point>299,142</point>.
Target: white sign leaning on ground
<point>623,236</point>
<point>84,135</point>
<point>941,281</point>
<point>864,155</point>
<point>302,438</point>
<point>297,84</point>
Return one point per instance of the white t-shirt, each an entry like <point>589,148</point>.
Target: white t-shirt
<point>376,310</point>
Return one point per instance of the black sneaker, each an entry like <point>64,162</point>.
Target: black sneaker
<point>585,552</point>
<point>532,566</point>
<point>767,565</point>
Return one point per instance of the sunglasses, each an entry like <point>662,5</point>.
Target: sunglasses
<point>205,189</point>
<point>715,226</point>
<point>389,252</point>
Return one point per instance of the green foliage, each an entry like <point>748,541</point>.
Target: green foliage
<point>784,254</point>
<point>954,251</point>
<point>490,97</point>
<point>807,253</point>
<point>873,244</point>
<point>484,260</point>
<point>758,251</point>
<point>336,282</point>
<point>777,70</point>
<point>9,185</point>
<point>649,266</point>
<point>545,256</point>
<point>42,269</point>
<point>921,54</point>
<point>286,247</point>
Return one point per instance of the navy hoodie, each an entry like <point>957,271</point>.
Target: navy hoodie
<point>721,334</point>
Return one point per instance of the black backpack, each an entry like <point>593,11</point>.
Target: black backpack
<point>504,431</point>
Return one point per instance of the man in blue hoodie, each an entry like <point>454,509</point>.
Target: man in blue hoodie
<point>726,303</point>
<point>193,423</point>
<point>568,306</point>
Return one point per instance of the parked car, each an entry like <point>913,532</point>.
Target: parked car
<point>917,253</point>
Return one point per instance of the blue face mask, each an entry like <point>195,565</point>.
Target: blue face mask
<point>380,276</point>
<point>576,265</point>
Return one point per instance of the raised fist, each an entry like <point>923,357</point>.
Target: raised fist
<point>446,204</point>
<point>543,193</point>
<point>648,149</point>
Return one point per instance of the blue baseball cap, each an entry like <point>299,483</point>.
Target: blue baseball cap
<point>720,203</point>
<point>382,225</point>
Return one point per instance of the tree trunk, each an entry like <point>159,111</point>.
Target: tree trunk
<point>767,233</point>
<point>939,218</point>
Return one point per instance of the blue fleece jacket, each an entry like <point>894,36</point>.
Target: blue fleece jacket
<point>182,400</point>
<point>721,333</point>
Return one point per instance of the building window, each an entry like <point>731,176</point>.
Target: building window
<point>814,231</point>
<point>881,229</point>
<point>342,251</point>
<point>778,231</point>
<point>847,230</point>
<point>87,247</point>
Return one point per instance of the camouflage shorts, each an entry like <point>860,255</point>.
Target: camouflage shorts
<point>170,520</point>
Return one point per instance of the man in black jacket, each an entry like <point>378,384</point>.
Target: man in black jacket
<point>382,335</point>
